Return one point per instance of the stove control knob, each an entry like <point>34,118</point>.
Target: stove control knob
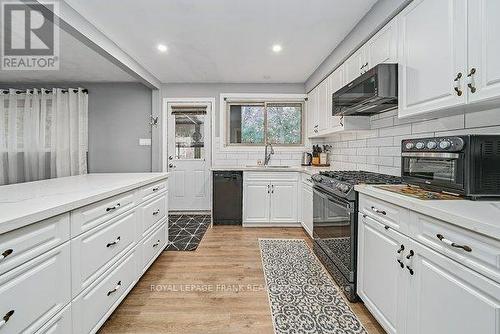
<point>343,187</point>
<point>445,144</point>
<point>431,145</point>
<point>420,145</point>
<point>409,145</point>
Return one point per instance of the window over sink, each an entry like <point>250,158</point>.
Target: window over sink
<point>256,123</point>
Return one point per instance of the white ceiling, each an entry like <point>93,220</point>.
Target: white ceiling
<point>78,63</point>
<point>226,40</point>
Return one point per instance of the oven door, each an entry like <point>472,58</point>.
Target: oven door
<point>436,171</point>
<point>334,230</point>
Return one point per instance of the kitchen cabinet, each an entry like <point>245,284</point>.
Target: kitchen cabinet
<point>307,206</point>
<point>383,46</point>
<point>270,198</point>
<point>312,111</point>
<point>484,50</point>
<point>381,272</point>
<point>412,288</point>
<point>433,56</point>
<point>323,111</point>
<point>446,297</point>
<point>356,65</point>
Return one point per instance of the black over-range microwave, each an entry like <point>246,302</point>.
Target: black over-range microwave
<point>373,92</point>
<point>463,165</point>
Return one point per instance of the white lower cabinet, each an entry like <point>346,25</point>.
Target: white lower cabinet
<point>270,198</point>
<point>307,208</point>
<point>60,324</point>
<point>31,294</point>
<point>411,288</point>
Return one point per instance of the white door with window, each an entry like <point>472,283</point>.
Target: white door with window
<point>189,155</point>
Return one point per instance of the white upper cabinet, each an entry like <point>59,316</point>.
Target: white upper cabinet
<point>323,111</point>
<point>312,111</point>
<point>383,47</point>
<point>356,65</point>
<point>484,50</point>
<point>433,53</point>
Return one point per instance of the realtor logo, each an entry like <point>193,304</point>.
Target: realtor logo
<point>30,36</point>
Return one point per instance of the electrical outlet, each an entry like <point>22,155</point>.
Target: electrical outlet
<point>144,141</point>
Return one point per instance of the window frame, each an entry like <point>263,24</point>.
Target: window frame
<point>261,102</point>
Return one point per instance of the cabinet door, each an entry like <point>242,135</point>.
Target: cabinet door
<point>284,202</point>
<point>484,49</point>
<point>336,81</point>
<point>323,112</point>
<point>312,113</point>
<point>381,279</point>
<point>256,202</point>
<point>446,297</point>
<point>433,53</point>
<point>383,47</point>
<point>355,65</point>
<point>307,209</point>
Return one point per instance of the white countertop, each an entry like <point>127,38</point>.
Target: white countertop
<point>480,216</point>
<point>310,170</point>
<point>25,203</point>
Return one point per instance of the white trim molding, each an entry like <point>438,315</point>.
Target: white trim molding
<point>250,97</point>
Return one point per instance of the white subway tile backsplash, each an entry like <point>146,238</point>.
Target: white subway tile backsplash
<point>358,143</point>
<point>378,142</point>
<point>381,161</point>
<point>382,122</point>
<point>395,130</point>
<point>439,124</point>
<point>482,118</point>
<point>390,151</point>
<point>367,151</point>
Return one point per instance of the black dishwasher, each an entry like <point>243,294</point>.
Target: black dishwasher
<point>227,197</point>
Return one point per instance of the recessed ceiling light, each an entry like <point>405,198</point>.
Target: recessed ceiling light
<point>162,48</point>
<point>277,48</point>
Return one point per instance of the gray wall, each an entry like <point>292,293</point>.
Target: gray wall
<point>376,18</point>
<point>214,90</point>
<point>119,114</point>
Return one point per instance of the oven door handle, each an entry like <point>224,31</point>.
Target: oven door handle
<point>435,155</point>
<point>333,199</point>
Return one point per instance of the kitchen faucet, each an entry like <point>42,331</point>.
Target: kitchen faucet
<point>267,156</point>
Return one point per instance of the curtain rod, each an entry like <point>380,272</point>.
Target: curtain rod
<point>6,91</point>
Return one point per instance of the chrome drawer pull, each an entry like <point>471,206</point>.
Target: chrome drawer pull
<point>117,240</point>
<point>452,244</point>
<point>382,212</point>
<point>113,207</point>
<point>6,318</point>
<point>156,244</point>
<point>156,188</point>
<point>6,253</point>
<point>118,285</point>
<point>156,212</point>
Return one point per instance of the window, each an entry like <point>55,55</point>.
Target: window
<point>257,123</point>
<point>189,133</point>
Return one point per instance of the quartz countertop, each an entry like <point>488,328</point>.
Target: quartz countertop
<point>26,203</point>
<point>310,170</point>
<point>479,216</point>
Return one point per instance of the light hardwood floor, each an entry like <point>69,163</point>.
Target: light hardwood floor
<point>219,288</point>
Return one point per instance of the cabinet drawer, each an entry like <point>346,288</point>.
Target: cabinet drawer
<point>24,244</point>
<point>91,308</point>
<point>92,215</point>
<point>152,212</point>
<point>259,176</point>
<point>35,291</point>
<point>93,252</point>
<point>59,324</point>
<point>152,190</point>
<point>482,254</point>
<point>392,215</point>
<point>152,245</point>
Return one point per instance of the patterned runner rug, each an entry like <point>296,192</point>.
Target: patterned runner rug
<point>303,297</point>
<point>186,231</point>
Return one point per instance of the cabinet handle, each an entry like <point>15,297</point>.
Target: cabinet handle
<point>457,84</point>
<point>401,264</point>
<point>6,253</point>
<point>113,207</point>
<point>118,285</point>
<point>381,212</point>
<point>156,188</point>
<point>452,244</point>
<point>156,244</point>
<point>410,255</point>
<point>410,270</point>
<point>112,243</point>
<point>268,189</point>
<point>156,212</point>
<point>401,249</point>
<point>341,121</point>
<point>6,318</point>
<point>272,189</point>
<point>386,227</point>
<point>471,78</point>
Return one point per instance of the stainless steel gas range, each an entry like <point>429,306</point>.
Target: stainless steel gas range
<point>335,222</point>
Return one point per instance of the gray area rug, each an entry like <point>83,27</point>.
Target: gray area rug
<point>186,231</point>
<point>303,297</point>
